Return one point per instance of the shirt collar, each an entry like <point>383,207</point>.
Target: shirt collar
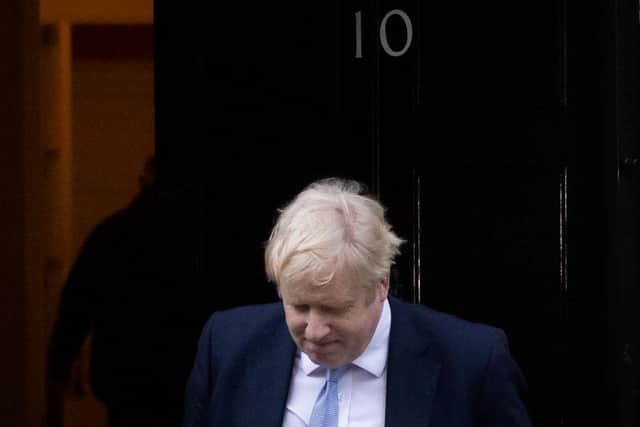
<point>374,357</point>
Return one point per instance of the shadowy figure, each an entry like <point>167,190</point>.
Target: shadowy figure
<point>135,289</point>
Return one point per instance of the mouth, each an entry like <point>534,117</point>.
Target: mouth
<point>322,347</point>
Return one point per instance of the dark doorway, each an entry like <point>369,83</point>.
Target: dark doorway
<point>488,129</point>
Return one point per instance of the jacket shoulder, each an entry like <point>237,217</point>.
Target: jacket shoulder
<point>450,334</point>
<point>246,325</point>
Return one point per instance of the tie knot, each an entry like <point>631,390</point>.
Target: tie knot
<point>336,374</point>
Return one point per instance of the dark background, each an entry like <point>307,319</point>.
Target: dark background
<point>503,142</point>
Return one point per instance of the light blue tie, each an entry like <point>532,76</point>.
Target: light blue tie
<point>326,410</point>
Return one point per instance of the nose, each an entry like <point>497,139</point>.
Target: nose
<point>317,327</point>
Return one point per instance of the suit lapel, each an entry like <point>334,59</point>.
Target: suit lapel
<point>271,368</point>
<point>413,368</point>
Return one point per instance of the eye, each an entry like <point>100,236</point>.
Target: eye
<point>300,308</point>
<point>335,311</point>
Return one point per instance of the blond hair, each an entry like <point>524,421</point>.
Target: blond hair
<point>331,227</point>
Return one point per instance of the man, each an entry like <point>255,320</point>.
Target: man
<point>134,289</point>
<point>337,351</point>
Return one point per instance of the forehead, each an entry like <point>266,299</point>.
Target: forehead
<point>336,292</point>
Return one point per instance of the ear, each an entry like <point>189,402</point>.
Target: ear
<point>383,287</point>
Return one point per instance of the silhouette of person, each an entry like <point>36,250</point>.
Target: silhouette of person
<point>135,289</point>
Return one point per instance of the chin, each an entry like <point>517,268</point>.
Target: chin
<point>323,360</point>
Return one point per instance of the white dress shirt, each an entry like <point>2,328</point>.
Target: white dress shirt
<point>361,391</point>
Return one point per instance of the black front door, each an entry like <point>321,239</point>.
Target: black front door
<point>483,127</point>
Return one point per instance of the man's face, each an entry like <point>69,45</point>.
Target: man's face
<point>334,323</point>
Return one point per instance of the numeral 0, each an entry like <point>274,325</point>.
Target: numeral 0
<point>383,33</point>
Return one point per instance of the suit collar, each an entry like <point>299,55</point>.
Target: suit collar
<point>413,368</point>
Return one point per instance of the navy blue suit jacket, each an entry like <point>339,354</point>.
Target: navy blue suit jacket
<point>441,371</point>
